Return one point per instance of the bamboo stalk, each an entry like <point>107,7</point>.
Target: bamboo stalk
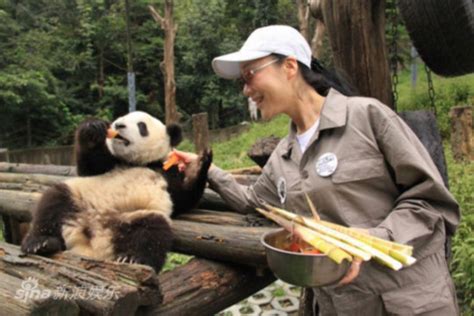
<point>381,244</point>
<point>377,254</point>
<point>402,254</point>
<point>375,241</point>
<point>306,234</point>
<point>344,246</point>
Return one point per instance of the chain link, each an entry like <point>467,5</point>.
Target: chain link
<point>431,91</point>
<point>393,17</point>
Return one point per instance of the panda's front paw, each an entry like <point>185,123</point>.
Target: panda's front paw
<point>41,245</point>
<point>92,132</point>
<point>205,160</point>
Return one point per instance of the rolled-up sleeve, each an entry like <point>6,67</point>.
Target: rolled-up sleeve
<point>425,209</point>
<point>240,197</point>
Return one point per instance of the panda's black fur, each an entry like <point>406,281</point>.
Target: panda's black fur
<point>119,207</point>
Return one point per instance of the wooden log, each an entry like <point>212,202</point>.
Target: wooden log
<point>204,287</point>
<point>34,168</point>
<point>225,243</point>
<point>224,218</point>
<point>212,201</point>
<point>69,285</point>
<point>18,204</point>
<point>237,244</point>
<point>462,142</point>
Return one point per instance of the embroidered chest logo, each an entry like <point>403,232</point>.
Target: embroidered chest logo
<point>326,164</point>
<point>281,186</point>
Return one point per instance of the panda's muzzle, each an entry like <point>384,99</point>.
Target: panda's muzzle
<point>125,141</point>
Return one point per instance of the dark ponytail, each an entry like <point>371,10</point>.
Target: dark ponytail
<point>321,79</point>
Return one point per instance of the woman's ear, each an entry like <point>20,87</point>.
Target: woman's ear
<point>291,67</point>
<point>175,133</point>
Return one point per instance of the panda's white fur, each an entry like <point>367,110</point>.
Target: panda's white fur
<point>122,194</point>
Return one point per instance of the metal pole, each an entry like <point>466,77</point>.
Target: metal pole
<point>414,69</point>
<point>130,74</point>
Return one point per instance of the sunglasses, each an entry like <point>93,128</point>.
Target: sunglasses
<point>247,75</point>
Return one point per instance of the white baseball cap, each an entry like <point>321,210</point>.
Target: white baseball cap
<point>264,41</point>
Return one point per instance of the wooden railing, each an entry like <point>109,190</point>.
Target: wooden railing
<point>229,263</point>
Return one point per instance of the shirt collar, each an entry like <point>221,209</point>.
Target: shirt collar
<point>333,115</point>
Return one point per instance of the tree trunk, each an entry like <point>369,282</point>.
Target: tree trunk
<point>356,30</point>
<point>317,40</point>
<point>167,67</point>
<point>303,18</point>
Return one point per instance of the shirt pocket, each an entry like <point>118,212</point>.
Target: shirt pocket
<point>359,170</point>
<point>362,187</point>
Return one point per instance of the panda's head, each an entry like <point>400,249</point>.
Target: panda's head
<point>142,138</point>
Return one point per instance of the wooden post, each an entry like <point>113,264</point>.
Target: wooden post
<point>356,31</point>
<point>461,133</point>
<point>200,132</point>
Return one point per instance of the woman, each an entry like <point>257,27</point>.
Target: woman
<point>360,165</point>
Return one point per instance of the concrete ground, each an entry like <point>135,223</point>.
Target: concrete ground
<point>277,299</point>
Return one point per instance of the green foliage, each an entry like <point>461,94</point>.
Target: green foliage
<point>233,153</point>
<point>461,180</point>
<point>449,92</point>
<point>174,260</point>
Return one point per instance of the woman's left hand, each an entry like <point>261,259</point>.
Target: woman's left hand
<point>354,269</point>
<point>352,273</point>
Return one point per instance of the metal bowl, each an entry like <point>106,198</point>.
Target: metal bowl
<point>307,270</point>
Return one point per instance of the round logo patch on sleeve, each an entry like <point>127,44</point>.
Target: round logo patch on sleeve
<point>326,164</point>
<point>282,190</point>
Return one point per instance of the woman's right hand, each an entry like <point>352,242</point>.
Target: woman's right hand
<point>185,158</point>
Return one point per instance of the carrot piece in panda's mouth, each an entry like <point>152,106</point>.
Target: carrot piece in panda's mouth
<point>111,133</point>
<point>172,160</point>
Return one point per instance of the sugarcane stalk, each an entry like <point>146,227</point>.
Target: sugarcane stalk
<point>377,254</point>
<point>306,234</point>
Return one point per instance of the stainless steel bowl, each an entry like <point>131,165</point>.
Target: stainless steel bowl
<point>300,269</point>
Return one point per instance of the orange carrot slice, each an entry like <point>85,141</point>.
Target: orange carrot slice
<point>111,133</point>
<point>173,160</point>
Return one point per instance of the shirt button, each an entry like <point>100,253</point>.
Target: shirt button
<point>304,174</point>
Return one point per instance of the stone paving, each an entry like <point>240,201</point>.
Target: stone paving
<point>277,299</point>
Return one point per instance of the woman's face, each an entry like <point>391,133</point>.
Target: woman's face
<point>265,83</point>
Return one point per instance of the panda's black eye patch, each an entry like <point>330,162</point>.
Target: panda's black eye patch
<point>143,129</point>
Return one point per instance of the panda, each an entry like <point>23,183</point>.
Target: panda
<point>120,206</point>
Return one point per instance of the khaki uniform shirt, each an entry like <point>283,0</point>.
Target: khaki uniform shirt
<point>384,181</point>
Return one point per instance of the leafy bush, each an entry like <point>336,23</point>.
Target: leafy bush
<point>461,180</point>
<point>448,93</point>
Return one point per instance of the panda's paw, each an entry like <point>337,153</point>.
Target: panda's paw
<point>92,132</point>
<point>41,245</point>
<point>205,160</point>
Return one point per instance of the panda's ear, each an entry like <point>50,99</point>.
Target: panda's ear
<point>175,133</point>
